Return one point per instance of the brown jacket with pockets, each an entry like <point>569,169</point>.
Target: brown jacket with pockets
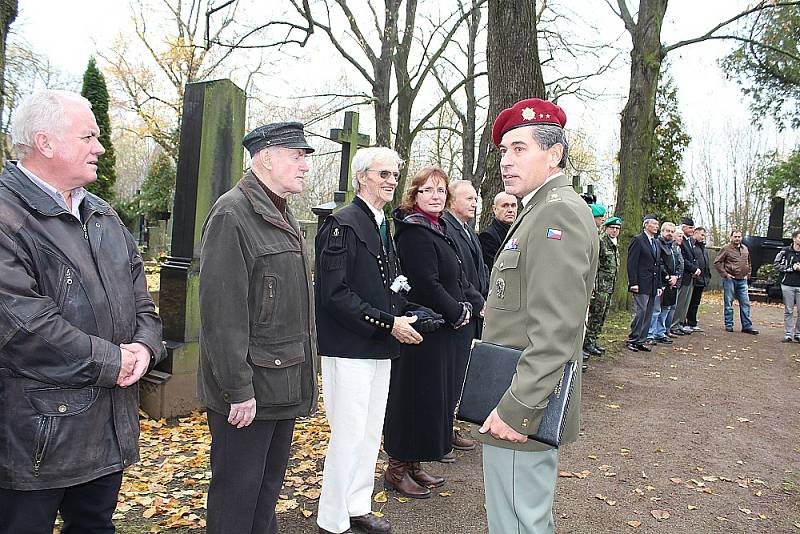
<point>257,335</point>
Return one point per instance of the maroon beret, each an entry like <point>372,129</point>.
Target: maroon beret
<point>526,113</point>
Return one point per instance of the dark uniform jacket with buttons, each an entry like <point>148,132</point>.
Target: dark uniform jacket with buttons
<point>355,305</point>
<point>70,293</point>
<point>539,294</point>
<point>257,336</point>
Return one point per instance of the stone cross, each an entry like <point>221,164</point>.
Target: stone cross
<point>210,162</point>
<point>350,139</point>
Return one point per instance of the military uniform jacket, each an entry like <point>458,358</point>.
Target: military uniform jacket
<point>539,294</point>
<point>607,266</point>
<point>355,305</point>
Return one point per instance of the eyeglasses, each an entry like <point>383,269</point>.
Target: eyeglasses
<point>431,190</point>
<point>385,175</point>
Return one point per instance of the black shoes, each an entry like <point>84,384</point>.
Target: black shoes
<point>751,331</point>
<point>593,349</point>
<point>633,347</point>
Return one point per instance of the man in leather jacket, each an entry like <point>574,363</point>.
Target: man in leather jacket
<point>78,328</point>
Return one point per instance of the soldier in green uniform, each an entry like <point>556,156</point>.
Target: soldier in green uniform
<point>604,285</point>
<point>539,293</point>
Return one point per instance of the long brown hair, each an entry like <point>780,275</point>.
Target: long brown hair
<point>419,179</point>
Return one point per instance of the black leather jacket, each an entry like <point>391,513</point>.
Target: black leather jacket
<point>70,294</point>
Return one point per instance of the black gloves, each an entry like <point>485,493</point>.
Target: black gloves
<point>427,320</point>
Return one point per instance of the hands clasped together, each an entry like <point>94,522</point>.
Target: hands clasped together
<point>134,360</point>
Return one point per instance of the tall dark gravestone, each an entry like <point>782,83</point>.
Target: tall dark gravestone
<point>210,162</point>
<point>351,141</point>
<point>775,228</point>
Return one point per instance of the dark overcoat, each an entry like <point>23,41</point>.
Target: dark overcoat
<point>644,266</point>
<point>419,412</point>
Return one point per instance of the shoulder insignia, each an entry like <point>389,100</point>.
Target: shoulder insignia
<point>554,233</point>
<point>553,196</point>
<point>336,239</point>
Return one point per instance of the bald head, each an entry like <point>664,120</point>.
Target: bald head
<point>505,207</point>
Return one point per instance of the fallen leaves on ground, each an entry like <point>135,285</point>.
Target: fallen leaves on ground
<point>169,485</point>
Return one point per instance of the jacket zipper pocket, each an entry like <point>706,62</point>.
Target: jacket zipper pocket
<point>42,438</point>
<point>268,301</point>
<point>65,288</point>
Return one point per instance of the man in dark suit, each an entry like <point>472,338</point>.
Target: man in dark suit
<point>463,201</point>
<point>460,211</point>
<point>505,211</point>
<point>643,281</point>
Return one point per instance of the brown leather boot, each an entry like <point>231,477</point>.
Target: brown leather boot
<point>398,478</point>
<point>422,478</point>
<point>461,443</point>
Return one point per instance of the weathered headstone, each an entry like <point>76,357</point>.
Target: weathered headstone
<point>350,140</point>
<point>210,162</point>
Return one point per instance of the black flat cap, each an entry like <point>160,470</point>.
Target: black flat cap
<point>285,134</point>
<point>688,221</point>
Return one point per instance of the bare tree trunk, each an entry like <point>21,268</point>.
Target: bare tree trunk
<point>637,131</point>
<point>514,73</point>
<point>8,12</point>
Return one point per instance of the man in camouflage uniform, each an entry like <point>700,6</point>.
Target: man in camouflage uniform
<point>604,286</point>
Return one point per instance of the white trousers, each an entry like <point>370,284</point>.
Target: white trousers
<point>355,393</point>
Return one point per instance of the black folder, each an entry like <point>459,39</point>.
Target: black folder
<point>489,372</point>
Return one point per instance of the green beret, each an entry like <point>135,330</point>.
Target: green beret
<point>597,210</point>
<point>613,220</point>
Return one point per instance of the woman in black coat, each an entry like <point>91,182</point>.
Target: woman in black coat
<point>419,415</point>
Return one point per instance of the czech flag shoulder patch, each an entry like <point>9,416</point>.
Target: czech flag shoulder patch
<point>554,233</point>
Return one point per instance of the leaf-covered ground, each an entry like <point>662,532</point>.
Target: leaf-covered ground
<point>698,436</point>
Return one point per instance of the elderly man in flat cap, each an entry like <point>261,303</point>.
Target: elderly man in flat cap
<point>539,293</point>
<point>258,355</point>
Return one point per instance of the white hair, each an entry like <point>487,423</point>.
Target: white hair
<point>42,111</point>
<point>367,156</point>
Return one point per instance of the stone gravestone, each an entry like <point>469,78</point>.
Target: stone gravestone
<point>350,140</point>
<point>210,162</point>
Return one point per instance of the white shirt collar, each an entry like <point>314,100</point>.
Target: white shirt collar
<point>77,194</point>
<point>527,198</point>
<point>378,214</point>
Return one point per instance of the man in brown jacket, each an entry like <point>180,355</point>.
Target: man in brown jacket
<point>258,348</point>
<point>733,265</point>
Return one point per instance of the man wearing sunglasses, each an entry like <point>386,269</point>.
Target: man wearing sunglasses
<point>360,307</point>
